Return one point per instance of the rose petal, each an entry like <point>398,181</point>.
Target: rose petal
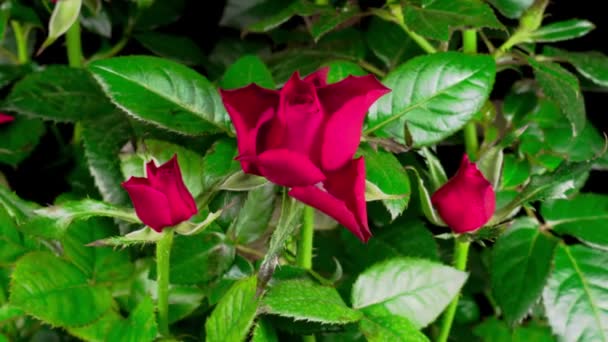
<point>288,168</point>
<point>345,104</point>
<point>318,78</point>
<point>151,205</point>
<point>5,118</point>
<point>168,179</point>
<point>249,108</point>
<point>467,201</point>
<point>348,185</point>
<point>330,205</point>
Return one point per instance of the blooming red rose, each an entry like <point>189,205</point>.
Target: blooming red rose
<point>5,118</point>
<point>304,136</point>
<point>467,201</point>
<point>161,199</point>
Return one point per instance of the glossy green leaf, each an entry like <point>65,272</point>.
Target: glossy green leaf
<point>592,64</point>
<point>329,20</point>
<point>64,15</point>
<point>282,65</point>
<point>246,70</point>
<point>99,22</point>
<point>286,12</point>
<point>56,291</point>
<point>339,70</point>
<point>582,217</point>
<point>490,165</point>
<point>385,172</point>
<point>432,97</point>
<point>424,196</point>
<point>420,289</point>
<point>512,9</point>
<point>576,295</point>
<point>140,327</point>
<point>103,138</point>
<point>200,258</point>
<point>292,298</point>
<point>521,261</point>
<point>163,93</point>
<point>10,73</point>
<point>494,330</point>
<point>11,243</point>
<point>252,220</point>
<point>381,326</point>
<point>233,316</point>
<point>436,173</point>
<point>515,172</point>
<point>178,48</point>
<point>19,138</point>
<point>99,329</point>
<point>241,181</point>
<point>58,93</point>
<point>390,43</point>
<point>100,264</point>
<point>561,86</point>
<point>562,30</point>
<point>437,18</point>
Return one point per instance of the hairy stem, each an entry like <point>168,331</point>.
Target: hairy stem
<point>163,256</point>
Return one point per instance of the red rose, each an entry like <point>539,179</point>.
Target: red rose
<point>467,201</point>
<point>304,136</point>
<point>161,200</point>
<point>5,118</point>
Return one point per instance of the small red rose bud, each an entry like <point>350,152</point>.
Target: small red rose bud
<point>467,201</point>
<point>5,118</point>
<point>161,199</point>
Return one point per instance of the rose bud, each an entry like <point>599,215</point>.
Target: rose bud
<point>467,201</point>
<point>5,118</point>
<point>161,199</point>
<point>304,136</point>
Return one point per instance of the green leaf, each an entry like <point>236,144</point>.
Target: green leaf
<point>56,291</point>
<point>99,329</point>
<point>11,244</point>
<point>219,163</point>
<point>490,165</point>
<point>576,296</point>
<point>592,64</point>
<point>177,48</point>
<point>390,43</point>
<point>253,218</point>
<point>8,312</point>
<point>19,138</point>
<point>100,264</point>
<point>582,217</point>
<point>385,172</point>
<point>521,261</point>
<point>162,92</point>
<point>292,298</point>
<point>200,258</point>
<point>103,138</point>
<point>329,20</point>
<point>562,87</point>
<point>494,330</point>
<point>433,97</point>
<point>437,18</point>
<point>409,238</point>
<point>282,65</point>
<point>420,301</point>
<point>64,15</point>
<point>381,326</point>
<point>425,202</point>
<point>246,70</point>
<point>58,93</point>
<point>339,70</point>
<point>286,12</point>
<point>233,316</point>
<point>264,332</point>
<point>436,173</point>
<point>562,30</point>
<point>514,172</point>
<point>241,181</point>
<point>512,9</point>
<point>10,73</point>
<point>16,207</point>
<point>141,325</point>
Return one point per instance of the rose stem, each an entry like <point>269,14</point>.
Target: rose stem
<point>304,252</point>
<point>21,41</point>
<point>163,255</point>
<point>461,248</point>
